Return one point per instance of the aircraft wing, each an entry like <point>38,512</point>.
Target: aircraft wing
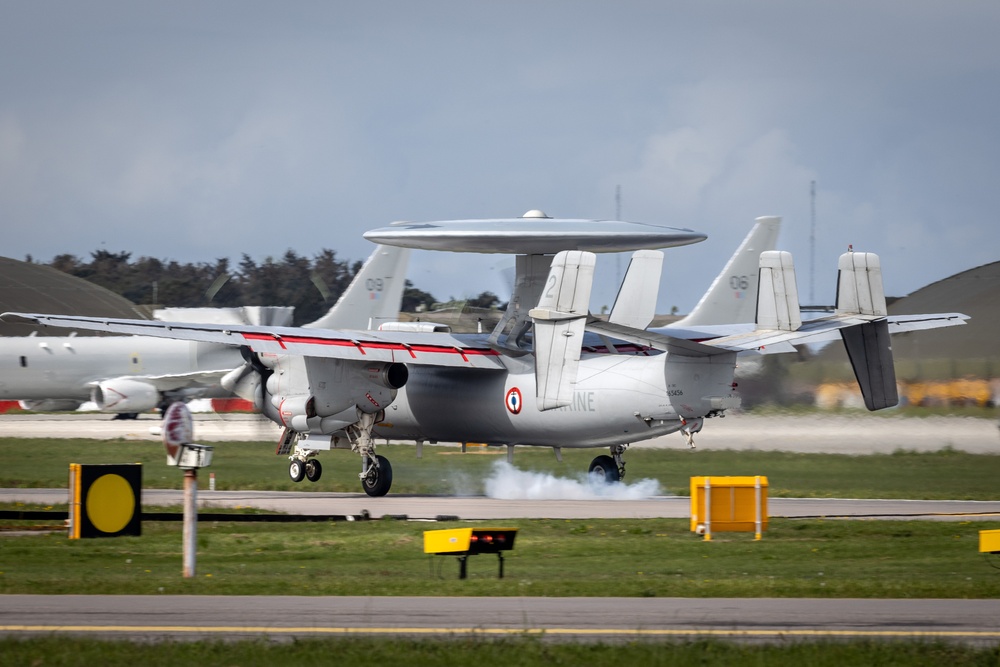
<point>828,329</point>
<point>711,340</point>
<point>434,349</point>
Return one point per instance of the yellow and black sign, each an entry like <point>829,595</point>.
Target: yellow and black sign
<point>105,500</point>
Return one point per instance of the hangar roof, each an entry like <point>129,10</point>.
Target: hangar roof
<point>36,288</point>
<point>976,293</point>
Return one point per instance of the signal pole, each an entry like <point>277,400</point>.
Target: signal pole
<point>812,242</point>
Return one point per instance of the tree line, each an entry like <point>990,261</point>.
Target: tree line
<point>311,285</point>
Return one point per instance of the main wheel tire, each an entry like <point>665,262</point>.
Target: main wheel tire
<point>379,478</point>
<point>314,470</point>
<point>605,465</point>
<point>296,470</point>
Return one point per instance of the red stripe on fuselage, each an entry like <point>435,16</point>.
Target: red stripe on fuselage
<point>374,345</point>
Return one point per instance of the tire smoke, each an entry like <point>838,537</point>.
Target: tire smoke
<point>508,483</point>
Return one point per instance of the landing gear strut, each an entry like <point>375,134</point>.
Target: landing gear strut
<point>376,472</point>
<point>612,468</point>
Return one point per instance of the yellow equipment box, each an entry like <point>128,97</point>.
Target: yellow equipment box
<point>736,504</point>
<point>465,542</point>
<point>989,541</point>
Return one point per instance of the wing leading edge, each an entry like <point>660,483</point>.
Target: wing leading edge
<point>435,349</point>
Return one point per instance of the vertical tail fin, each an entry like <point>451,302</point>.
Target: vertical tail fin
<point>860,292</point>
<point>859,285</point>
<point>374,296</point>
<point>635,304</point>
<point>732,297</point>
<point>558,323</point>
<point>778,294</point>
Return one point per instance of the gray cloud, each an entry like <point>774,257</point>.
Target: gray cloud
<point>202,130</point>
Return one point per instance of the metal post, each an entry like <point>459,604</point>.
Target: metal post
<point>708,509</point>
<point>461,566</point>
<point>190,520</point>
<point>500,556</point>
<point>756,488</point>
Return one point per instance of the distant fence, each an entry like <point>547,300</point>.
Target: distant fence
<point>934,393</point>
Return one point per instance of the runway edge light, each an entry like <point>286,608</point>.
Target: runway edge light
<point>465,542</point>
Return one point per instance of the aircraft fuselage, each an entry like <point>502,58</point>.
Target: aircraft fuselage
<point>617,399</point>
<point>63,367</point>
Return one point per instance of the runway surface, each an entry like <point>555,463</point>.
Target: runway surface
<point>607,619</point>
<point>833,434</point>
<point>480,507</point>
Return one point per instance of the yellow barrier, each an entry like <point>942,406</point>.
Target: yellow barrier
<point>730,504</point>
<point>989,541</point>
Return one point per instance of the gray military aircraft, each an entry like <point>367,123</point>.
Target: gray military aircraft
<point>133,374</point>
<point>550,374</point>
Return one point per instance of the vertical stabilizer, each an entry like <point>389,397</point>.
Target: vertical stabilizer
<point>860,292</point>
<point>374,296</point>
<point>732,297</point>
<point>778,294</point>
<point>859,285</point>
<point>558,325</point>
<point>635,304</point>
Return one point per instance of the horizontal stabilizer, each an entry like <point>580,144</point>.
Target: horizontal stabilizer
<point>778,294</point>
<point>635,305</point>
<point>869,348</point>
<point>859,285</point>
<point>559,322</point>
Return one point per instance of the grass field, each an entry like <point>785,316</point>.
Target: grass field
<point>800,558</point>
<point>641,558</point>
<point>946,474</point>
<point>524,652</point>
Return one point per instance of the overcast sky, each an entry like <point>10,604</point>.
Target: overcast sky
<point>191,131</point>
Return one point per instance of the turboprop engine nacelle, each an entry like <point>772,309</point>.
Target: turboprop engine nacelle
<point>125,395</point>
<point>337,390</point>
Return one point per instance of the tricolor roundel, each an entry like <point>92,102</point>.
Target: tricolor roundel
<point>513,400</point>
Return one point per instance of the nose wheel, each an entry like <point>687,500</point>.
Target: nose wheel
<point>303,465</point>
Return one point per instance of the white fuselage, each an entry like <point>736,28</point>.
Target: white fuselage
<point>41,367</point>
<point>617,399</point>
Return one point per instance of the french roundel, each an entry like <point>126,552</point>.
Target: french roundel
<point>514,400</point>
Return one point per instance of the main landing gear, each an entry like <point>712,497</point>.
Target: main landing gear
<point>610,468</point>
<point>376,471</point>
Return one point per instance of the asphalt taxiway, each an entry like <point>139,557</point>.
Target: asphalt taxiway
<point>148,618</point>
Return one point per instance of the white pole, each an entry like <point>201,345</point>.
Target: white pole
<point>756,487</point>
<point>708,509</point>
<point>190,520</point>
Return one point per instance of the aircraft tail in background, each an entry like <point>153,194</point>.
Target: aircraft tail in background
<point>732,297</point>
<point>374,296</point>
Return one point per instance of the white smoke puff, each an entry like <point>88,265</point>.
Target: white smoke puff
<point>508,483</point>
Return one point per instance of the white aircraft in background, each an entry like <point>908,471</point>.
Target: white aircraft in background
<point>132,374</point>
<point>550,374</point>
